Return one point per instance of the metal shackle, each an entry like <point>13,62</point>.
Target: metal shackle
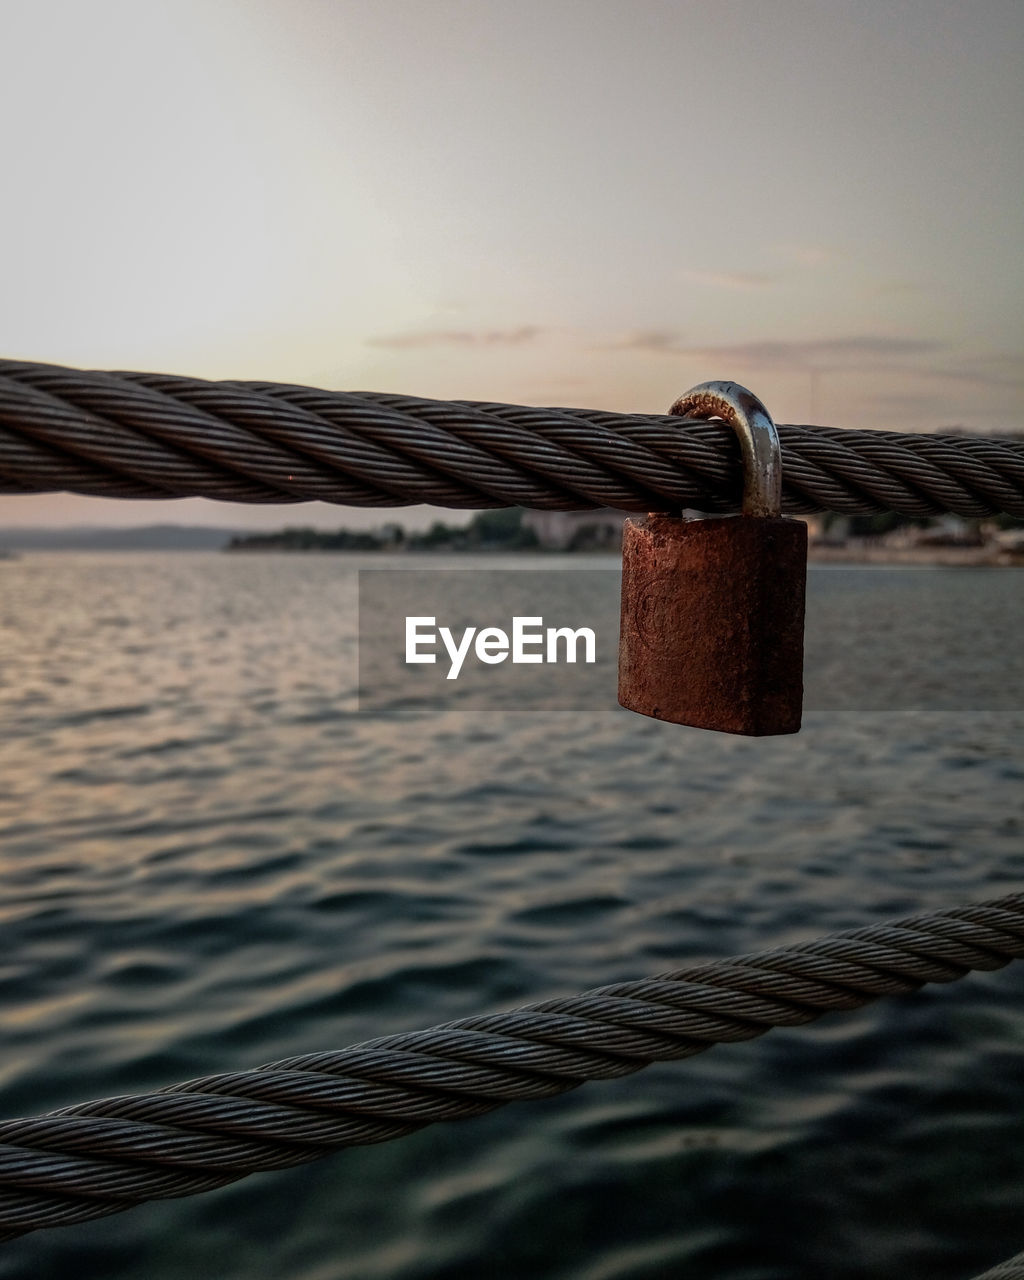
<point>759,441</point>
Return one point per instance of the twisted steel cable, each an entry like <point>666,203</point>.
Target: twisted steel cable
<point>145,435</point>
<point>96,1158</point>
<point>1011,1269</point>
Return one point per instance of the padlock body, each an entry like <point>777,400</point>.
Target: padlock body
<point>713,622</point>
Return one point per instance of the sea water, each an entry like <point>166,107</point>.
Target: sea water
<point>210,858</point>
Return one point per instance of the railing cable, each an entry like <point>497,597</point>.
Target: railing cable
<point>96,1158</point>
<point>145,435</point>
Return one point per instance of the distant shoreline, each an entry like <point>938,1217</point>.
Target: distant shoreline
<point>491,534</point>
<point>980,557</point>
<point>936,557</point>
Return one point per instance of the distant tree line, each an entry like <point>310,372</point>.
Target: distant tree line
<point>503,530</point>
<point>500,530</point>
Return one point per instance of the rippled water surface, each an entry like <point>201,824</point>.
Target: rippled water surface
<point>211,860</point>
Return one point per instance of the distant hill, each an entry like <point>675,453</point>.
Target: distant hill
<point>150,537</point>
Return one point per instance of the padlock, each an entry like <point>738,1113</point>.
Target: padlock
<point>713,608</point>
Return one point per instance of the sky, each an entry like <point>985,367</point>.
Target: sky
<point>593,204</point>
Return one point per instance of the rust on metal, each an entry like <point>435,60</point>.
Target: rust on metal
<point>712,631</point>
<point>712,622</point>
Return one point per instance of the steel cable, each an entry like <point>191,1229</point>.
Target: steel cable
<point>96,1158</point>
<point>1011,1269</point>
<point>144,435</point>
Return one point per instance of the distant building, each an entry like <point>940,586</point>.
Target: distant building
<point>825,528</point>
<point>599,530</point>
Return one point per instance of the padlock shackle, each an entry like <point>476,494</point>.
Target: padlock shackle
<point>759,441</point>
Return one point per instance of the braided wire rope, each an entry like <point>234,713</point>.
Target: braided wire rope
<point>145,435</point>
<point>1011,1269</point>
<point>96,1158</point>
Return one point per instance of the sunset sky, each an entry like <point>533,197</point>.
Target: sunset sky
<point>577,202</point>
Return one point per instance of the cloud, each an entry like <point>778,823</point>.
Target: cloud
<point>859,351</point>
<point>457,338</point>
<point>990,371</point>
<point>663,341</point>
<point>819,353</point>
<point>734,279</point>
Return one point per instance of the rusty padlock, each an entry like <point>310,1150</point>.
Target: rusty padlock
<point>713,608</point>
